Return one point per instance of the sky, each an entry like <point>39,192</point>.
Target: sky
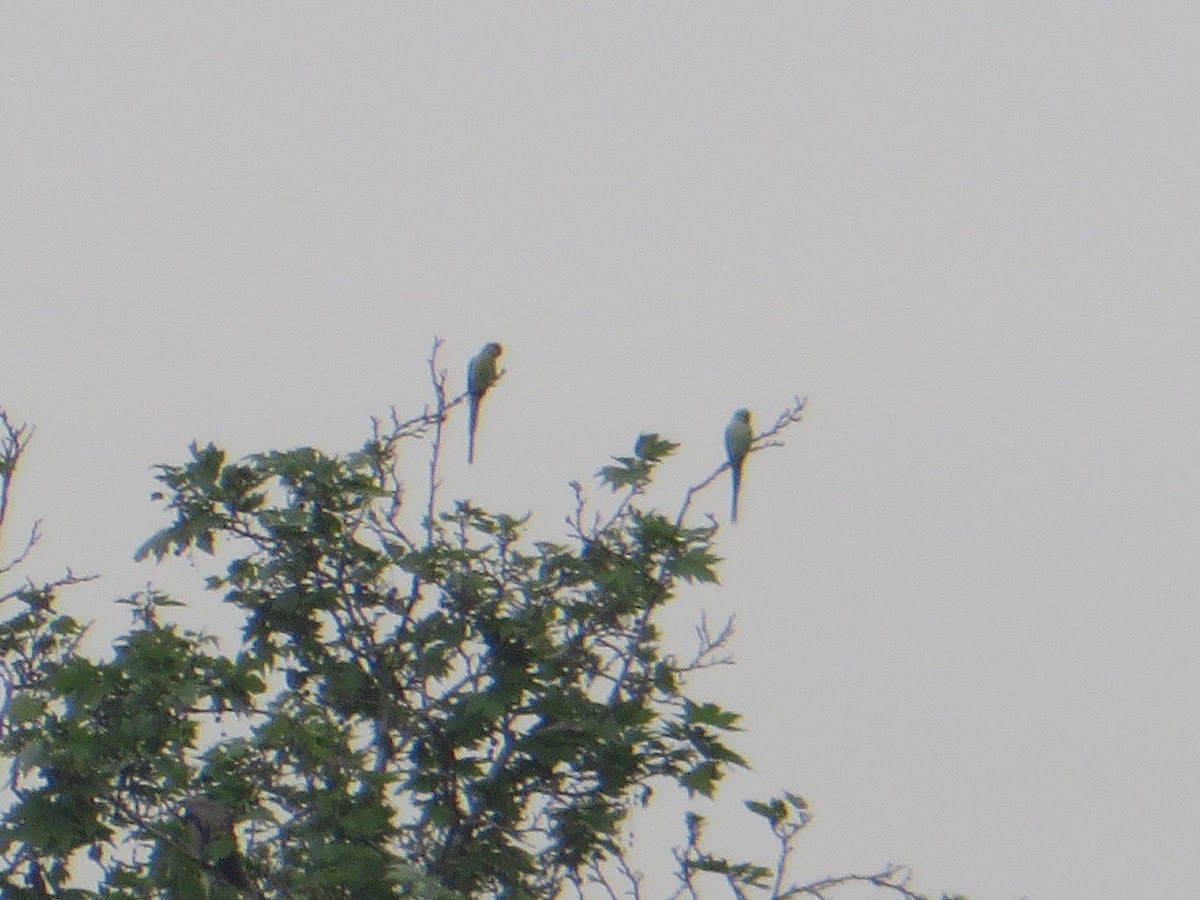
<point>966,587</point>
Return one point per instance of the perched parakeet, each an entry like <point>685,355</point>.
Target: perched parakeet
<point>737,444</point>
<point>481,374</point>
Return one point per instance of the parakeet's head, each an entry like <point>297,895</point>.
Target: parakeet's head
<point>492,350</point>
<point>742,415</point>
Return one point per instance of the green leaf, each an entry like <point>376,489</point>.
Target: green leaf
<point>798,802</point>
<point>629,473</point>
<point>157,544</point>
<point>207,463</point>
<point>774,811</point>
<point>711,714</point>
<point>695,565</point>
<point>706,863</point>
<point>701,780</point>
<point>652,448</point>
<point>25,708</point>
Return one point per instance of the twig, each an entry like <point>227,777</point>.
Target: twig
<point>14,439</point>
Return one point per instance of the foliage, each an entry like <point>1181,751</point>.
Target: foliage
<point>445,709</point>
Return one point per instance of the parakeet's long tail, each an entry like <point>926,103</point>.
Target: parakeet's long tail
<point>472,418</point>
<point>736,473</point>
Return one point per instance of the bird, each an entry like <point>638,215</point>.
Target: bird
<point>737,444</point>
<point>210,822</point>
<point>481,375</point>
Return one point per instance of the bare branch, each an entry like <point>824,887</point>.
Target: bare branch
<point>438,380</point>
<point>891,877</point>
<point>14,439</point>
<point>35,535</point>
<point>708,645</point>
<point>41,596</point>
<point>683,871</point>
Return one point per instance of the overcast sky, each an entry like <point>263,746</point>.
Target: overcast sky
<point>966,589</point>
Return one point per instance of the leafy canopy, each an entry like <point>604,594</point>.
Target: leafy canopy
<point>442,709</point>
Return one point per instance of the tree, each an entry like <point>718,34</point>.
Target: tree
<point>446,710</point>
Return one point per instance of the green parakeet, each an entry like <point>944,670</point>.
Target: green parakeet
<point>738,437</point>
<point>481,375</point>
